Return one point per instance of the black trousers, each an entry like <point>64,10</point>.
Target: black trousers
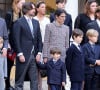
<point>31,68</point>
<point>91,81</point>
<point>76,85</point>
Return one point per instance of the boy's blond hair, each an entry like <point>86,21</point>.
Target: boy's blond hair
<point>1,40</point>
<point>92,32</point>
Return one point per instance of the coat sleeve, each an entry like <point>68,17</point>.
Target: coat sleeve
<point>63,73</point>
<point>68,59</point>
<point>87,55</point>
<point>17,37</point>
<point>5,35</point>
<point>46,41</point>
<point>70,25</point>
<point>77,22</point>
<point>41,65</point>
<point>67,38</point>
<point>39,42</point>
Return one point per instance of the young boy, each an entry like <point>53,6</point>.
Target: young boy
<point>3,66</point>
<point>56,70</point>
<point>75,61</point>
<point>92,60</point>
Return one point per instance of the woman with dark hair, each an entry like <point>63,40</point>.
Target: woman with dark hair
<point>88,16</point>
<point>56,35</point>
<point>10,18</point>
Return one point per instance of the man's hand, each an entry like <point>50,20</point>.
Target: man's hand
<point>22,58</point>
<point>38,57</point>
<point>4,52</point>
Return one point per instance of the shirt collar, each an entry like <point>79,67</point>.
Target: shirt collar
<point>76,44</point>
<point>27,18</point>
<point>98,22</point>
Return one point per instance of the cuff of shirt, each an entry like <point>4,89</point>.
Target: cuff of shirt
<point>19,54</point>
<point>39,53</point>
<point>5,48</point>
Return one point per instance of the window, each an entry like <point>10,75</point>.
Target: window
<point>5,5</point>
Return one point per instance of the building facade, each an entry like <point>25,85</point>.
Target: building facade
<point>73,6</point>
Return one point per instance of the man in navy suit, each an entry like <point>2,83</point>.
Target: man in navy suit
<point>92,61</point>
<point>75,61</point>
<point>68,20</point>
<point>28,46</point>
<point>96,24</point>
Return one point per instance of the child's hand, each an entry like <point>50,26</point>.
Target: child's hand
<point>98,62</point>
<point>63,84</point>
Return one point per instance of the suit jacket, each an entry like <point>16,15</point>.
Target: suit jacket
<point>68,21</point>
<point>94,25</point>
<point>75,63</point>
<point>91,57</point>
<point>3,32</point>
<point>23,39</point>
<point>56,73</point>
<point>81,22</point>
<point>56,36</point>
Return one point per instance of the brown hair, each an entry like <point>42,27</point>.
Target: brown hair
<point>87,6</point>
<point>77,32</point>
<point>16,10</point>
<point>55,50</point>
<point>27,6</point>
<point>14,6</point>
<point>60,1</point>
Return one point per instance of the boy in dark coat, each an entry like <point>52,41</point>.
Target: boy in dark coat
<point>56,70</point>
<point>75,61</point>
<point>92,60</point>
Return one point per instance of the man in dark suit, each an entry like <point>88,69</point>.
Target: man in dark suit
<point>96,24</point>
<point>68,20</point>
<point>28,46</point>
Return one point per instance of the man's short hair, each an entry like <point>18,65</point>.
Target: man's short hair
<point>77,32</point>
<point>55,50</point>
<point>27,6</point>
<point>60,1</point>
<point>92,32</point>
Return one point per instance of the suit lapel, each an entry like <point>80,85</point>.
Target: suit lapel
<point>76,49</point>
<point>90,48</point>
<point>26,26</point>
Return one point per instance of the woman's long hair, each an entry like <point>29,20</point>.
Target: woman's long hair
<point>87,6</point>
<point>16,10</point>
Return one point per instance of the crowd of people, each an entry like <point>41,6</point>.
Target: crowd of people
<point>43,43</point>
